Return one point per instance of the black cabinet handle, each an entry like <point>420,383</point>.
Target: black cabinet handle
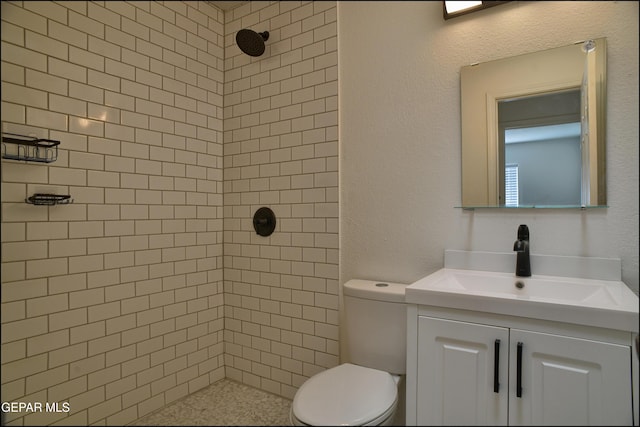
<point>496,365</point>
<point>519,372</point>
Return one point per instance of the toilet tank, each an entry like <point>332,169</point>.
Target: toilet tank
<point>375,325</point>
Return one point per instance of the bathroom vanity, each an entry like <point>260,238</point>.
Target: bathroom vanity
<point>487,347</point>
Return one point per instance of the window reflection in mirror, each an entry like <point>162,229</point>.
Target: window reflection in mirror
<point>540,150</point>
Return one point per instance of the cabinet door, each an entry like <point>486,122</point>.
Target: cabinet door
<point>456,373</point>
<point>568,381</point>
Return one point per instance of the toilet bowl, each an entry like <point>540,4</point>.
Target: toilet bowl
<point>366,389</point>
<point>346,395</point>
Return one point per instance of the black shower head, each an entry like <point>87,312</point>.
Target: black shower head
<point>250,42</point>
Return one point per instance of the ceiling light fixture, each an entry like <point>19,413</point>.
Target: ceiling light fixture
<point>451,9</point>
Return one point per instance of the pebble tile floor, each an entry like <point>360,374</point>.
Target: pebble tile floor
<point>226,402</point>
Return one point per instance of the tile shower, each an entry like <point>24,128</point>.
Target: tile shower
<point>152,285</point>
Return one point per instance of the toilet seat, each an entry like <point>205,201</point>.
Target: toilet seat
<point>346,395</point>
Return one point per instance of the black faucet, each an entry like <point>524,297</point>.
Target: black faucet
<point>521,246</point>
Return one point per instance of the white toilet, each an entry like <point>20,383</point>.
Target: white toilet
<point>365,391</point>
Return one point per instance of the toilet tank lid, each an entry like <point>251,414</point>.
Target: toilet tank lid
<point>375,290</point>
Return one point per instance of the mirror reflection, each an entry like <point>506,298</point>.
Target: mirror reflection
<point>533,129</point>
<point>539,140</point>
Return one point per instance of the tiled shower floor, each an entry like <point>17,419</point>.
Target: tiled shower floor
<point>225,402</point>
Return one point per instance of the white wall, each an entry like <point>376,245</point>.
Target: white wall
<point>281,151</point>
<point>113,303</point>
<point>400,134</point>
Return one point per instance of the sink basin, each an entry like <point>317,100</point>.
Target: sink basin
<point>602,303</point>
<point>544,288</point>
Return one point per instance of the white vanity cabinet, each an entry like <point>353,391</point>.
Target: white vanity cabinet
<point>568,381</point>
<point>472,368</point>
<point>459,364</point>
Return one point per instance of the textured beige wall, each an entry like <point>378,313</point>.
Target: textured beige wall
<point>400,141</point>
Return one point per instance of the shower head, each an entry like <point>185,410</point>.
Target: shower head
<point>250,42</point>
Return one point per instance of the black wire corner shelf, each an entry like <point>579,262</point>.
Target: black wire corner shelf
<point>44,199</point>
<point>28,148</point>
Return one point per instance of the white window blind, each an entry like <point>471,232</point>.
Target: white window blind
<point>511,185</point>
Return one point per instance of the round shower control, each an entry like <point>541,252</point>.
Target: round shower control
<point>264,221</point>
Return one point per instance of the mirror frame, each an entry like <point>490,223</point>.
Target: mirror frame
<point>483,85</point>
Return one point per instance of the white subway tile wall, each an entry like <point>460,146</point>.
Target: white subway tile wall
<point>281,151</point>
<point>113,303</point>
<point>153,284</point>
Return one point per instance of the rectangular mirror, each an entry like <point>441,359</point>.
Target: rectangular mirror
<point>533,129</point>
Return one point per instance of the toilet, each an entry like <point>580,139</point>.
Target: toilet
<point>367,388</point>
